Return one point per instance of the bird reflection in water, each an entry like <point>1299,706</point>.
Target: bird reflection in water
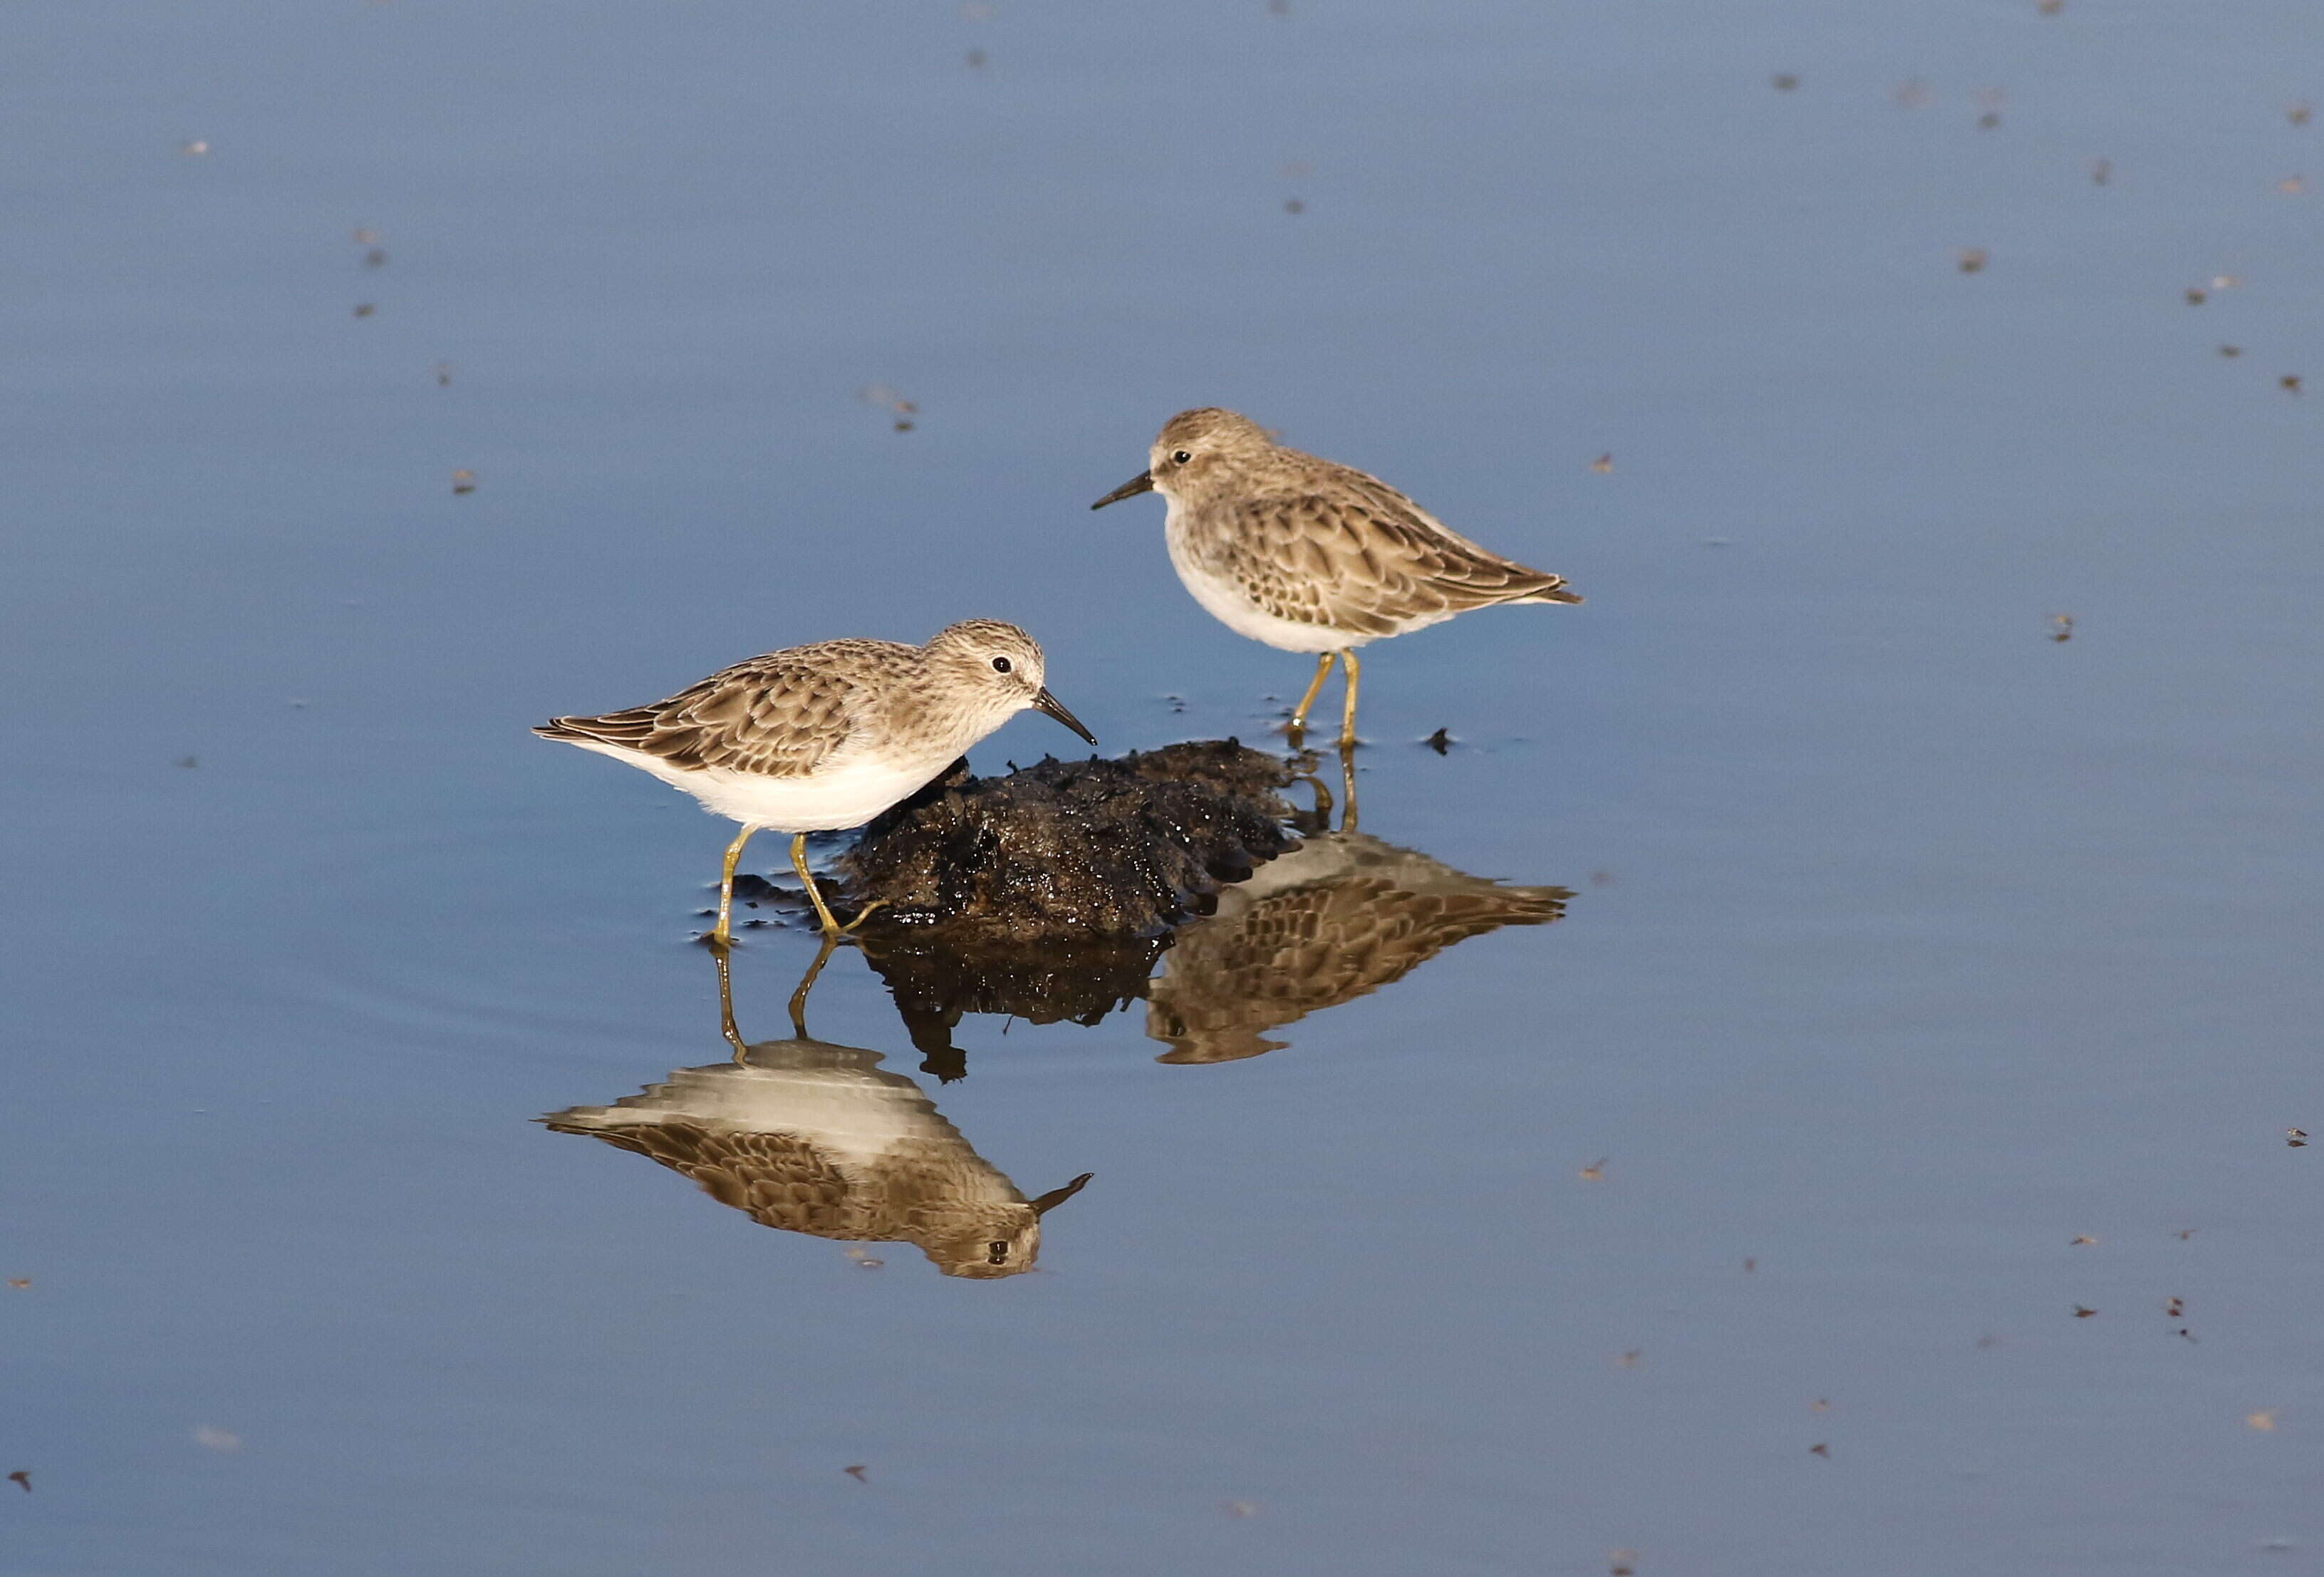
<point>809,1137</point>
<point>1337,918</point>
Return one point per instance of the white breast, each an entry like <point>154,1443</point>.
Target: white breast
<point>844,794</point>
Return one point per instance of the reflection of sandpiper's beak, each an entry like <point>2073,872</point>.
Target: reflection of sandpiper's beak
<point>1057,1197</point>
<point>1141,482</point>
<point>1046,702</point>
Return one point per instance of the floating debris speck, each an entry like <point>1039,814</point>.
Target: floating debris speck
<point>891,401</point>
<point>2080,1313</point>
<point>1971,259</point>
<point>2082,1239</point>
<point>366,308</point>
<point>463,481</point>
<point>2062,629</point>
<point>1294,205</point>
<point>2299,113</point>
<point>857,1472</point>
<point>1595,1172</point>
<point>1784,81</point>
<point>1820,1449</point>
<point>2196,296</point>
<point>1604,463</point>
<point>22,1476</point>
<point>2101,172</point>
<point>2288,384</point>
<point>2231,351</point>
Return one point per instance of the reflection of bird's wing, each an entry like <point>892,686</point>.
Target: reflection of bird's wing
<point>1353,554</point>
<point>777,1179</point>
<point>1367,914</point>
<point>780,716</point>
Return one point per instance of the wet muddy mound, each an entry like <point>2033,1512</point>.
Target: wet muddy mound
<point>1121,848</point>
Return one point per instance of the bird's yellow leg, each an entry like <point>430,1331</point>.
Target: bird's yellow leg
<point>1348,717</point>
<point>1299,713</point>
<point>723,933</point>
<point>806,984</point>
<point>814,896</point>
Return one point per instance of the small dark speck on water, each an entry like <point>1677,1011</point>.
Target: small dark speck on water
<point>1971,259</point>
<point>1988,121</point>
<point>2061,626</point>
<point>1440,742</point>
<point>375,258</point>
<point>2050,7</point>
<point>22,1476</point>
<point>1822,1449</point>
<point>1784,81</point>
<point>2288,382</point>
<point>2231,351</point>
<point>442,374</point>
<point>463,481</point>
<point>1278,8</point>
<point>189,760</point>
<point>1294,205</point>
<point>2195,296</point>
<point>1750,1267</point>
<point>1604,463</point>
<point>1623,1563</point>
<point>364,309</point>
<point>975,60</point>
<point>856,1470</point>
<point>2301,114</point>
<point>2101,172</point>
<point>2175,1306</point>
<point>2083,1313</point>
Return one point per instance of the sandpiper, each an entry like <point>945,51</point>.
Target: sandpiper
<point>1308,555</point>
<point>820,737</point>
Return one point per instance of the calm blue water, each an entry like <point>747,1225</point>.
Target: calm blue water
<point>1907,945</point>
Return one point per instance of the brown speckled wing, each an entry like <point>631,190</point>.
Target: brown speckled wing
<point>778,715</point>
<point>777,1179</point>
<point>1357,555</point>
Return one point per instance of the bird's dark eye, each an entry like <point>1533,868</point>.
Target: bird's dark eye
<point>1180,455</point>
<point>1001,665</point>
<point>997,1251</point>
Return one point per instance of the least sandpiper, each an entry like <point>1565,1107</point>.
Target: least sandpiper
<point>817,738</point>
<point>1308,555</point>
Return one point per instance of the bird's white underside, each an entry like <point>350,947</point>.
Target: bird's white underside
<point>843,794</point>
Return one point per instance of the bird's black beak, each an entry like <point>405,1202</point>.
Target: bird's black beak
<point>1057,1197</point>
<point>1046,702</point>
<point>1141,482</point>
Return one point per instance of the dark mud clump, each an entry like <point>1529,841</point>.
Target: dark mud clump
<point>1088,850</point>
